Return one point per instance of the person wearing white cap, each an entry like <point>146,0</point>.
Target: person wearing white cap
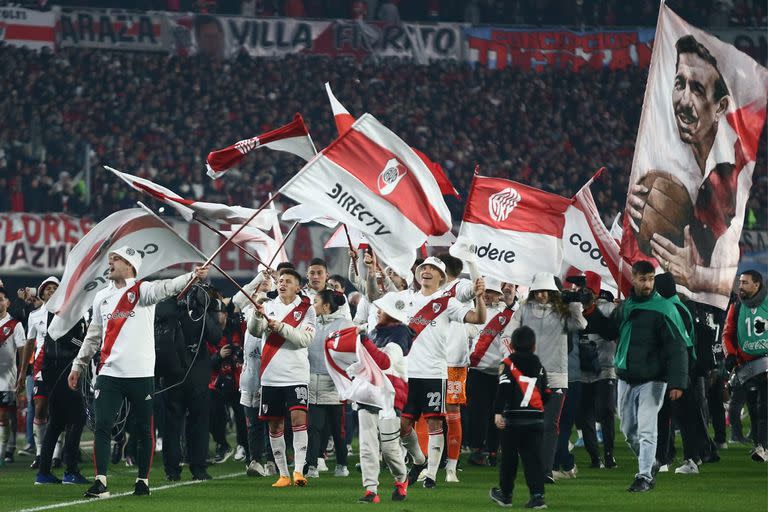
<point>488,349</point>
<point>36,328</point>
<point>430,311</point>
<point>551,320</point>
<point>123,328</point>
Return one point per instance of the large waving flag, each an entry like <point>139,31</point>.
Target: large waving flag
<point>371,180</point>
<point>292,138</point>
<point>305,213</point>
<point>368,385</point>
<point>87,264</point>
<point>513,229</point>
<point>265,246</point>
<point>358,239</point>
<point>703,115</point>
<point>188,208</point>
<point>344,121</point>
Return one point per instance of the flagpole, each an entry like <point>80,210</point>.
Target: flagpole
<point>253,256</point>
<point>146,208</point>
<point>352,250</point>
<point>282,244</point>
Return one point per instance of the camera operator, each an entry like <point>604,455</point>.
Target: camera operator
<point>598,377</point>
<point>224,385</point>
<point>183,331</point>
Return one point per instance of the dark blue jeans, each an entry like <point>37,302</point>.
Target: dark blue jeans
<point>563,458</point>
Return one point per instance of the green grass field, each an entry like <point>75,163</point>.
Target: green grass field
<point>735,483</point>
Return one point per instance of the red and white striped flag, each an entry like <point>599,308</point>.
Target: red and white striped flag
<point>28,27</point>
<point>344,121</point>
<point>513,229</point>
<point>264,245</point>
<point>292,138</point>
<point>188,208</point>
<point>159,246</point>
<point>368,385</point>
<point>369,179</point>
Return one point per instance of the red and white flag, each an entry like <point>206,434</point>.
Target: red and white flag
<point>369,179</point>
<point>339,239</point>
<point>513,229</point>
<point>304,213</point>
<point>277,233</point>
<point>292,138</point>
<point>87,264</point>
<point>368,384</point>
<point>344,121</point>
<point>188,208</point>
<point>264,245</point>
<point>703,114</point>
<point>28,27</point>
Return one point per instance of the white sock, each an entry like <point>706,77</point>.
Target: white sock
<point>57,450</point>
<point>411,443</point>
<point>277,442</point>
<point>435,452</point>
<point>38,432</point>
<point>102,479</point>
<point>300,441</point>
<point>450,464</point>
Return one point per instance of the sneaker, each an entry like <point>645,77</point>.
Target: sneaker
<point>240,453</point>
<point>610,462</point>
<point>9,456</point>
<point>330,446</point>
<point>369,497</point>
<point>270,468</point>
<point>451,476</point>
<point>201,475</point>
<point>75,478</point>
<point>129,461</point>
<point>688,468</point>
<point>27,451</point>
<point>549,478</point>
<point>341,471</point>
<point>283,481</point>
<point>223,453</point>
<point>640,485</point>
<point>141,489</point>
<point>422,475</point>
<point>596,464</point>
<point>477,458</point>
<point>312,472</point>
<point>571,473</point>
<point>349,450</point>
<point>401,491</point>
<point>97,490</point>
<point>46,479</point>
<point>299,480</point>
<point>173,477</point>
<point>255,469</point>
<point>759,454</point>
<point>711,457</point>
<point>579,443</point>
<point>415,471</point>
<point>322,467</point>
<point>117,452</point>
<point>159,444</point>
<point>536,502</point>
<point>35,463</point>
<point>498,497</point>
<point>429,483</point>
<point>56,463</point>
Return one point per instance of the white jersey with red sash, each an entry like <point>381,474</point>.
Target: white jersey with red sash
<point>457,352</point>
<point>488,347</point>
<point>11,339</point>
<point>430,318</point>
<point>283,363</point>
<point>37,325</point>
<point>127,320</point>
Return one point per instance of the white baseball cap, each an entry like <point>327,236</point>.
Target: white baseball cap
<point>435,262</point>
<point>50,279</point>
<point>544,281</point>
<point>392,305</point>
<point>132,256</point>
<point>492,285</point>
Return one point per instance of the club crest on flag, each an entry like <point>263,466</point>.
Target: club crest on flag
<point>131,297</point>
<point>436,307</point>
<point>501,204</point>
<point>245,146</point>
<point>393,172</point>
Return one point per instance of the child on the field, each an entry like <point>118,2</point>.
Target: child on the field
<point>518,412</point>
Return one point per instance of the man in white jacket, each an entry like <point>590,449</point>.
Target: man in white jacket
<point>123,329</point>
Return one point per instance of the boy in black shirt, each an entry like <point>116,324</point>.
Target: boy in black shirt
<point>518,411</point>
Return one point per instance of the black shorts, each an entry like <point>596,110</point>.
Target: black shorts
<point>426,397</point>
<point>7,400</point>
<point>277,401</point>
<point>40,390</point>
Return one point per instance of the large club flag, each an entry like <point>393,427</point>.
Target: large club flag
<point>339,239</point>
<point>344,121</point>
<point>370,386</point>
<point>188,208</point>
<point>86,270</point>
<point>703,113</point>
<point>371,180</point>
<point>292,138</point>
<point>514,230</point>
<point>265,246</point>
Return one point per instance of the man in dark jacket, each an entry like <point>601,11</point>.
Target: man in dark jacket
<point>651,355</point>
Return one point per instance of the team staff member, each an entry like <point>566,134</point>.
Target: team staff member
<point>123,326</point>
<point>746,347</point>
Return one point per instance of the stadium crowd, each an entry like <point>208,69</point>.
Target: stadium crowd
<point>158,117</point>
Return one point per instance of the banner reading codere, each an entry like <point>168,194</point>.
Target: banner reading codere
<point>703,112</point>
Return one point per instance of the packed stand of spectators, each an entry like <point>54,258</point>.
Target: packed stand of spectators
<point>158,117</point>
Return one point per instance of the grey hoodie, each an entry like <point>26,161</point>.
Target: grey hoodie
<point>322,391</point>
